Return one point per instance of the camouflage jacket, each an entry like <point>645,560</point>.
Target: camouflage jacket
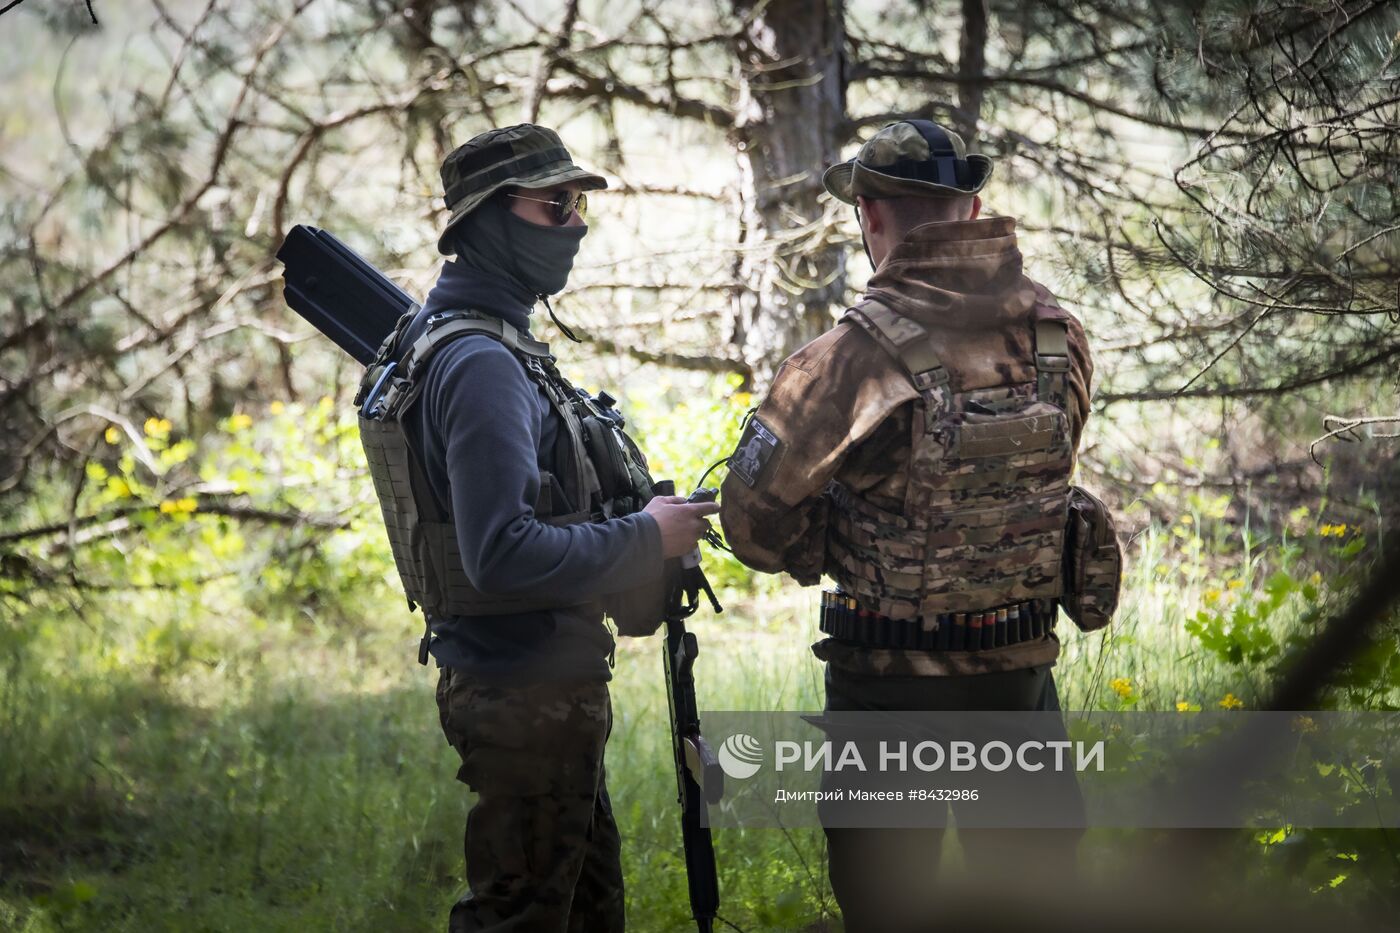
<point>841,408</point>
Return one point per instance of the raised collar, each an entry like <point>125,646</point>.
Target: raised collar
<point>959,274</point>
<point>460,286</point>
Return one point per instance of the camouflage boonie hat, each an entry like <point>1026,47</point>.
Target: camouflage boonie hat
<point>524,156</point>
<point>911,158</point>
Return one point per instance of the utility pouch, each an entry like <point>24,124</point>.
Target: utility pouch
<point>1093,569</point>
<point>639,612</point>
<point>614,479</point>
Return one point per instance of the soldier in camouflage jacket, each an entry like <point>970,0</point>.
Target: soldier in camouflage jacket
<point>840,415</point>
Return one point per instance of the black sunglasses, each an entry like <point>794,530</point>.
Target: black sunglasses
<point>565,203</point>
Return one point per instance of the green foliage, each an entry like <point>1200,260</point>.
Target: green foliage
<point>685,430</point>
<point>226,707</point>
<point>1241,634</point>
<point>265,755</point>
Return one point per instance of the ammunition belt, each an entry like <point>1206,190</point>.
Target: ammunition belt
<point>948,631</point>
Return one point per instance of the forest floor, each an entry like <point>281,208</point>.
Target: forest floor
<point>290,774</point>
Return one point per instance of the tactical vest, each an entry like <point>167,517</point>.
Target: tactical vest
<point>601,473</point>
<point>984,513</point>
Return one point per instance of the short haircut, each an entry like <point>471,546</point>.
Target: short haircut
<point>906,213</point>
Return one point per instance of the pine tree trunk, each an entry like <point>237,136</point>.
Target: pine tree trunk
<point>972,66</point>
<point>790,107</point>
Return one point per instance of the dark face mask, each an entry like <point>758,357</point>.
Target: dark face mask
<point>538,258</point>
<point>542,256</point>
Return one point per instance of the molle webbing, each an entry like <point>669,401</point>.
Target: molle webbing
<point>983,520</point>
<point>425,550</point>
<point>956,559</point>
<point>579,481</point>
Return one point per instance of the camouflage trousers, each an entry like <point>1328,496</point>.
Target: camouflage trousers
<point>542,850</point>
<point>884,879</point>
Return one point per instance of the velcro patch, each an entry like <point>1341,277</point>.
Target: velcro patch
<point>755,449</point>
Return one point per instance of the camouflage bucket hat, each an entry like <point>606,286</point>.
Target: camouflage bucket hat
<point>524,156</point>
<point>912,158</point>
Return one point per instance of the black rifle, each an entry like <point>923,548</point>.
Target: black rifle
<point>344,297</point>
<point>699,777</point>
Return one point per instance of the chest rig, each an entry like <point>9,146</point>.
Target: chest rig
<point>599,473</point>
<point>983,521</point>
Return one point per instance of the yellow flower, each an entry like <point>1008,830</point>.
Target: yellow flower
<point>1234,584</point>
<point>1182,706</point>
<point>1187,520</point>
<point>1315,579</point>
<point>1212,596</point>
<point>276,408</point>
<point>743,399</point>
<point>239,422</point>
<point>1121,686</point>
<point>1230,701</point>
<point>157,427</point>
<point>179,506</point>
<point>1304,724</point>
<point>112,434</point>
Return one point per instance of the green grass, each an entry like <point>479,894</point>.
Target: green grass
<point>300,781</point>
<point>212,760</point>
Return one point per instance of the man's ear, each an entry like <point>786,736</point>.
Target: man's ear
<point>870,210</point>
<point>976,207</point>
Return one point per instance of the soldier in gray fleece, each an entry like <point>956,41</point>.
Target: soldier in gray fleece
<point>486,431</point>
<point>523,696</point>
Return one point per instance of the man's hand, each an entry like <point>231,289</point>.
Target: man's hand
<point>681,523</point>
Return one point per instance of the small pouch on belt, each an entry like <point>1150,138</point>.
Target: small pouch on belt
<point>1093,563</point>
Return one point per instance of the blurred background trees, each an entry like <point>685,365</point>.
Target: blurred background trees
<point>1209,185</point>
<point>187,531</point>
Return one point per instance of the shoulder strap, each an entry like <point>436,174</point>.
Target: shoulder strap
<point>908,342</point>
<point>534,358</point>
<point>1051,353</point>
<point>579,482</point>
<point>443,329</point>
<point>399,378</point>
